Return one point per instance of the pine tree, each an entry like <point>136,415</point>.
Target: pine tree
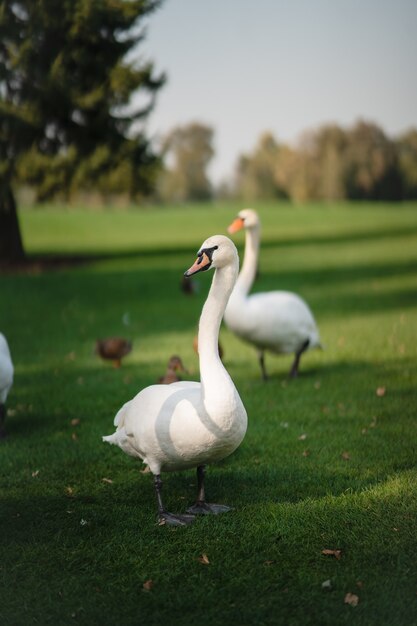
<point>66,118</point>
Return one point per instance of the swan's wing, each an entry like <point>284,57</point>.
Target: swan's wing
<point>277,318</point>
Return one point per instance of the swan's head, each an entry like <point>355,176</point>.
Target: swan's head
<point>216,252</point>
<point>247,218</point>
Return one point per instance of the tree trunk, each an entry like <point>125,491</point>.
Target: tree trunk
<point>11,246</point>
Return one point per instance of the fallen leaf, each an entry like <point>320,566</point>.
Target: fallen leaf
<point>269,562</point>
<point>335,553</point>
<point>364,431</point>
<point>203,558</point>
<point>326,585</point>
<point>74,436</point>
<point>381,391</point>
<point>107,480</point>
<point>306,453</point>
<point>302,437</point>
<point>34,474</point>
<point>148,585</point>
<point>352,599</point>
<point>83,522</point>
<point>76,421</point>
<point>345,456</point>
<point>69,491</point>
<point>373,423</point>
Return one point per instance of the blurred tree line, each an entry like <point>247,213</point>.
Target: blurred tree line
<point>331,163</point>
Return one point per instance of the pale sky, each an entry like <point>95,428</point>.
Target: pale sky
<point>247,66</point>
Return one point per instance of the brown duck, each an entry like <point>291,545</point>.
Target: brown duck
<point>113,349</point>
<point>174,366</point>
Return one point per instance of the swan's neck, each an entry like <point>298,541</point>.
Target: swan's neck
<point>250,261</point>
<point>211,367</point>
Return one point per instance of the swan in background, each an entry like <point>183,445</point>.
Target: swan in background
<point>277,321</point>
<point>189,424</point>
<point>6,380</point>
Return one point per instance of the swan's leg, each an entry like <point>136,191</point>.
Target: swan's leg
<point>294,368</point>
<point>2,420</point>
<point>261,357</point>
<point>164,517</point>
<point>201,507</point>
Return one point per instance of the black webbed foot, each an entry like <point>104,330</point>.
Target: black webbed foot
<point>171,519</point>
<point>205,508</point>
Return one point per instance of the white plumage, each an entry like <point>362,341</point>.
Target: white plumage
<point>276,321</point>
<point>6,379</point>
<point>189,424</point>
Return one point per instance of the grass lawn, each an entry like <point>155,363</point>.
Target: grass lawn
<point>327,462</point>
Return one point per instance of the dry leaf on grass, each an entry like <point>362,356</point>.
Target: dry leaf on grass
<point>35,474</point>
<point>148,585</point>
<point>76,421</point>
<point>69,491</point>
<point>352,599</point>
<point>302,437</point>
<point>107,480</point>
<point>335,553</point>
<point>74,436</point>
<point>203,558</point>
<point>326,585</point>
<point>345,456</point>
<point>306,453</point>
<point>381,391</point>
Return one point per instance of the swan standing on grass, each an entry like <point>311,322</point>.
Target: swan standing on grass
<point>189,424</point>
<point>278,321</point>
<point>6,380</point>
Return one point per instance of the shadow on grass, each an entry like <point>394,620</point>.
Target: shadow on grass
<point>40,262</point>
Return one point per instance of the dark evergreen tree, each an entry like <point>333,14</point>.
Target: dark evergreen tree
<point>66,117</point>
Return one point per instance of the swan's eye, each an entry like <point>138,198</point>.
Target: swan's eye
<point>208,252</point>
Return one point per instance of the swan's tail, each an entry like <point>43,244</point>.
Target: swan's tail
<point>119,437</point>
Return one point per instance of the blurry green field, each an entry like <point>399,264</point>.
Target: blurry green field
<point>77,549</point>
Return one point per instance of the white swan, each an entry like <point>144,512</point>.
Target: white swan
<point>6,380</point>
<point>278,321</point>
<point>189,424</point>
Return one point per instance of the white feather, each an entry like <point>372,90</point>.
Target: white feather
<point>6,369</point>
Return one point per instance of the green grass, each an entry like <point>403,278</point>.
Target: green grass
<point>292,497</point>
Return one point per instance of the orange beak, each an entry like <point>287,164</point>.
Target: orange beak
<point>236,225</point>
<point>201,263</point>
